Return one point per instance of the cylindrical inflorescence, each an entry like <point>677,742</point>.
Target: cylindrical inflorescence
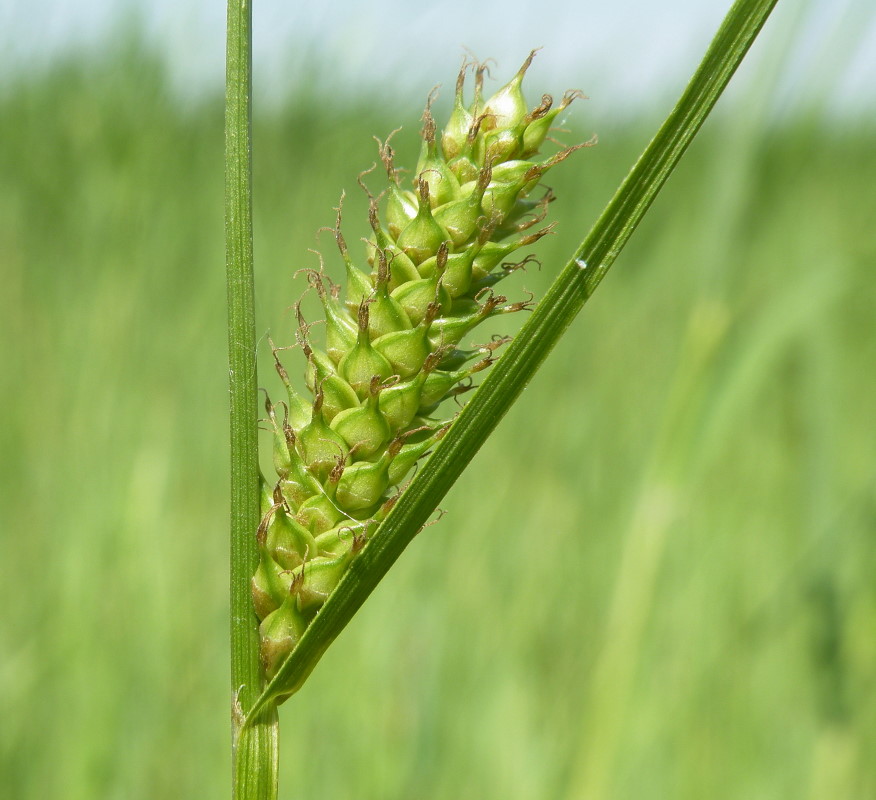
<point>392,349</point>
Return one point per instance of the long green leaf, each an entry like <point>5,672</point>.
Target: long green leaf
<point>574,286</point>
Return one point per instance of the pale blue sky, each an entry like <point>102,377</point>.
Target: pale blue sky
<point>628,54</point>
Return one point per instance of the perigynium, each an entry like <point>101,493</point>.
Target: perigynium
<point>394,347</point>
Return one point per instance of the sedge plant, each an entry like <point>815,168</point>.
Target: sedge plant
<point>311,543</point>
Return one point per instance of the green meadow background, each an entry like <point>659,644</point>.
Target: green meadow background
<point>655,581</point>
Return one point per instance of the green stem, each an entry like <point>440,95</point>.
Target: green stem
<point>255,749</point>
<point>568,294</point>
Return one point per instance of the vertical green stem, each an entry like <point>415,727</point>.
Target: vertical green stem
<point>255,748</point>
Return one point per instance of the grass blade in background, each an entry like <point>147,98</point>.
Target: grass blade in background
<point>553,315</point>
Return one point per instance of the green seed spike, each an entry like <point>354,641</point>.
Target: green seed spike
<point>456,131</point>
<point>423,235</point>
<point>432,168</point>
<point>386,314</point>
<point>391,355</point>
<point>363,362</point>
<point>364,429</point>
<point>506,109</point>
<point>318,445</point>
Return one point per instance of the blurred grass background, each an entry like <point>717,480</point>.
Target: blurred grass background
<point>656,580</point>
